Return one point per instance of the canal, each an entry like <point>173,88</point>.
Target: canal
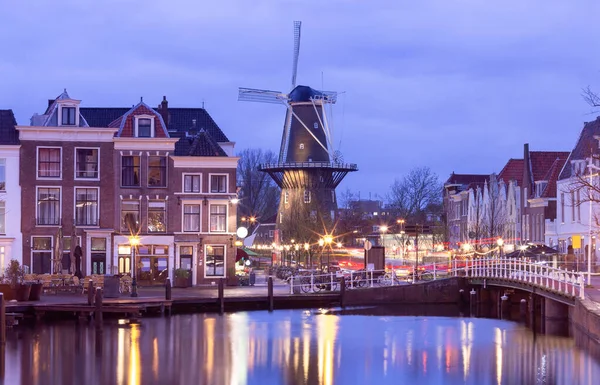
<point>359,346</point>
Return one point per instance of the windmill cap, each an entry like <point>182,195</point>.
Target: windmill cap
<point>304,94</point>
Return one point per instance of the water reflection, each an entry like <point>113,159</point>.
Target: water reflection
<point>295,347</point>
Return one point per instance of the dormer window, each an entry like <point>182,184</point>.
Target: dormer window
<point>68,116</point>
<point>144,127</point>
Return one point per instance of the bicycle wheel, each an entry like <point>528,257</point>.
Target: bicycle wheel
<point>318,286</point>
<point>305,284</point>
<point>384,280</point>
<point>426,276</point>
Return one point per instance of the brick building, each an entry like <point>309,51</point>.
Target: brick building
<point>165,176</point>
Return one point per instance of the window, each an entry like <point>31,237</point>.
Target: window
<point>191,218</point>
<point>130,171</point>
<point>86,206</point>
<point>215,261</point>
<point>572,206</point>
<point>49,163</point>
<point>68,116</point>
<point>157,171</point>
<point>41,255</point>
<point>302,146</point>
<point>157,216</point>
<point>130,209</point>
<point>2,218</point>
<point>86,163</point>
<point>48,206</point>
<point>286,196</point>
<point>218,218</point>
<point>562,207</point>
<point>191,183</point>
<point>2,174</point>
<point>579,205</point>
<point>271,233</point>
<point>144,128</point>
<point>218,183</point>
<point>316,125</point>
<point>306,196</point>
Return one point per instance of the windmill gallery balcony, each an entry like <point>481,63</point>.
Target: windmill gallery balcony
<point>321,174</point>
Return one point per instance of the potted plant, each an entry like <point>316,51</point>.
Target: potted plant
<point>6,289</point>
<point>14,273</point>
<point>182,278</point>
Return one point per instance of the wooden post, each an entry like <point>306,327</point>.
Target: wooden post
<point>523,310</point>
<point>98,312</point>
<point>2,322</point>
<point>168,289</point>
<point>343,292</point>
<point>221,296</point>
<point>90,293</point>
<point>270,293</point>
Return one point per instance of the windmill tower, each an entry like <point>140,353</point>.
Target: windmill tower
<point>308,170</point>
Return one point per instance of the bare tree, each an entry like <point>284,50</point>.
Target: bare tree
<point>495,211</point>
<point>411,195</point>
<point>259,195</point>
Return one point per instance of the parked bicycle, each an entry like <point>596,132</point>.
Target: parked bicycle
<point>421,275</point>
<point>388,279</point>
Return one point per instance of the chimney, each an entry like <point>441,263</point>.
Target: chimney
<point>164,110</point>
<point>527,177</point>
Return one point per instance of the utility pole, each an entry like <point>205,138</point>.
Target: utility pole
<point>416,252</point>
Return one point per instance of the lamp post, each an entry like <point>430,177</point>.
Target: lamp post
<point>133,242</point>
<point>382,230</point>
<point>500,243</point>
<point>328,240</point>
<point>306,261</point>
<point>321,244</point>
<point>589,261</point>
<point>401,222</point>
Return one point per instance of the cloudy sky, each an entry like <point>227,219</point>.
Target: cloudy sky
<point>454,85</point>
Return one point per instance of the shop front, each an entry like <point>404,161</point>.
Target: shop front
<point>152,258</point>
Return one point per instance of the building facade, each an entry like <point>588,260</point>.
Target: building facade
<point>10,191</point>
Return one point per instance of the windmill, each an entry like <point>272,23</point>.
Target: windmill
<point>308,169</point>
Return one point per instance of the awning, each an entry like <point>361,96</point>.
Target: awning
<point>240,254</point>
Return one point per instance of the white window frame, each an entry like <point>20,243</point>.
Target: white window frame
<point>210,175</point>
<point>37,188</point>
<point>37,163</point>
<point>183,182</point>
<point>166,158</point>
<point>59,117</point>
<point>217,203</point>
<point>75,206</point>
<point>75,163</point>
<point>138,117</point>
<point>190,202</point>
<point>224,260</point>
<point>32,251</point>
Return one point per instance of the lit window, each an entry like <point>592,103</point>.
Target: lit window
<point>215,261</point>
<point>157,216</point>
<point>306,196</point>
<point>157,171</point>
<point>49,163</point>
<point>130,209</point>
<point>302,146</point>
<point>316,125</point>
<point>286,196</point>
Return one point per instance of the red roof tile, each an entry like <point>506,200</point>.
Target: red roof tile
<point>513,170</point>
<point>551,177</point>
<point>542,161</point>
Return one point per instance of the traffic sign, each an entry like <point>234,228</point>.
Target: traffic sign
<point>368,245</point>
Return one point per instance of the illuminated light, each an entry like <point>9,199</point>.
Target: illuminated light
<point>383,229</point>
<point>134,241</point>
<point>134,356</point>
<point>306,246</point>
<point>500,242</point>
<point>498,341</point>
<point>328,239</point>
<point>235,201</point>
<point>321,242</point>
<point>339,244</point>
<point>242,232</point>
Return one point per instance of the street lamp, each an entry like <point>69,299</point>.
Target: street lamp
<point>133,243</point>
<point>589,261</point>
<point>500,243</point>
<point>328,240</point>
<point>383,229</point>
<point>306,261</point>
<point>321,244</point>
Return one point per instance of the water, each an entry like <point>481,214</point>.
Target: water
<point>295,347</point>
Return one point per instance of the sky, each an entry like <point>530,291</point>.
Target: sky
<point>457,86</point>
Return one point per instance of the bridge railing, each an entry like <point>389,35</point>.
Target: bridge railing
<point>566,282</point>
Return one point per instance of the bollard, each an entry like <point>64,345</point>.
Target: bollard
<point>270,293</point>
<point>98,304</point>
<point>343,292</point>
<point>472,299</point>
<point>2,322</point>
<point>523,310</point>
<point>168,290</point>
<point>221,289</point>
<point>504,305</point>
<point>90,293</point>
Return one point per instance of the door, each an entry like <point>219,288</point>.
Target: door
<point>185,261</point>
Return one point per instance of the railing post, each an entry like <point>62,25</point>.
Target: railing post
<point>331,281</point>
<point>291,284</point>
<point>371,278</point>
<point>581,287</point>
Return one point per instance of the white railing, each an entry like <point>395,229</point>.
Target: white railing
<point>561,281</point>
<point>571,283</point>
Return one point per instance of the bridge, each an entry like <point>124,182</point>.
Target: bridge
<point>522,274</point>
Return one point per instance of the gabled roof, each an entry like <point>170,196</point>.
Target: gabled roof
<point>467,180</point>
<point>586,144</point>
<point>542,161</point>
<point>179,119</point>
<point>551,177</point>
<point>513,170</point>
<point>8,133</point>
<point>126,123</point>
<point>200,144</point>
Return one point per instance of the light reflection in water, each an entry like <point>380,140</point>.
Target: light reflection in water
<point>291,347</point>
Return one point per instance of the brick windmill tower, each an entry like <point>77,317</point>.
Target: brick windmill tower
<point>308,169</point>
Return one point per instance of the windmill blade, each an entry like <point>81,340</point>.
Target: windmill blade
<point>297,25</point>
<point>262,96</point>
<point>286,135</point>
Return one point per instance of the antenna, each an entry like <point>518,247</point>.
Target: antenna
<point>297,25</point>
